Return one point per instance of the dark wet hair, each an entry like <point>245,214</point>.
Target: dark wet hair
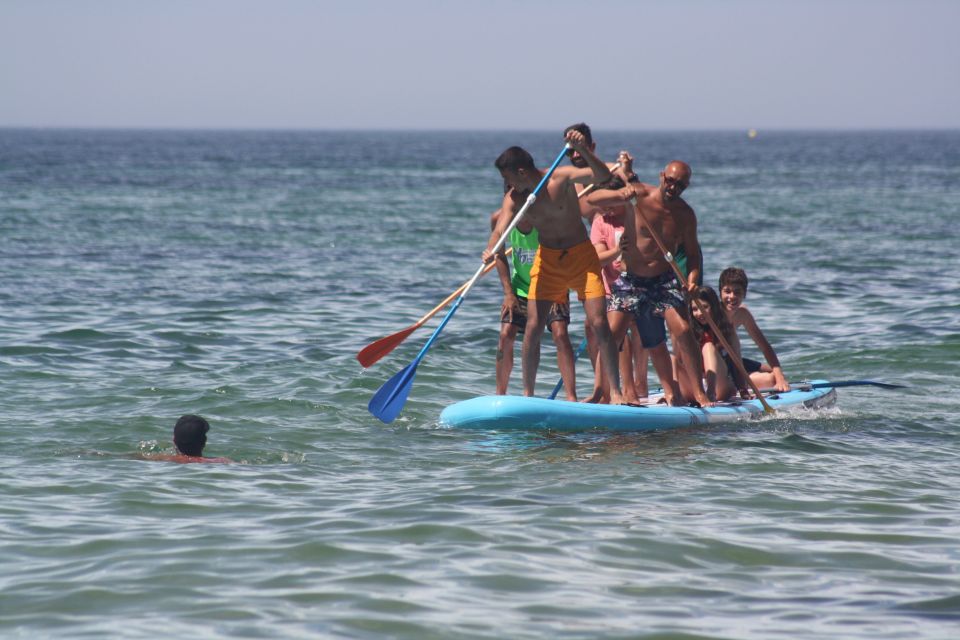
<point>733,276</point>
<point>712,300</point>
<point>190,435</point>
<point>515,158</point>
<point>612,184</point>
<point>583,128</point>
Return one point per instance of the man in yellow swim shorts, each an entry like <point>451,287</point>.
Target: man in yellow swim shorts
<point>565,260</point>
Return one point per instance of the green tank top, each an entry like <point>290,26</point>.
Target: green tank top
<point>681,259</point>
<point>524,250</point>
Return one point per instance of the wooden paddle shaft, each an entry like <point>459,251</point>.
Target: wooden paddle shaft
<point>456,293</point>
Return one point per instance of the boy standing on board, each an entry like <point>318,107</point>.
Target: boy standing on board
<point>606,233</point>
<point>565,260</point>
<point>733,290</point>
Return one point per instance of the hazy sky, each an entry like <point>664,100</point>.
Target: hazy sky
<point>480,64</point>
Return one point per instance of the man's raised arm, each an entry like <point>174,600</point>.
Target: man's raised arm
<point>596,171</point>
<point>605,198</point>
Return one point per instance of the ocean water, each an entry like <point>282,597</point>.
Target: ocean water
<point>147,274</point>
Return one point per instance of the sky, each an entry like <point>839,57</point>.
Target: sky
<point>480,64</point>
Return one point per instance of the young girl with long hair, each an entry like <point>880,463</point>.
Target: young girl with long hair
<point>722,378</point>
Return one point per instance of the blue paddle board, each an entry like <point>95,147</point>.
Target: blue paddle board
<point>517,412</point>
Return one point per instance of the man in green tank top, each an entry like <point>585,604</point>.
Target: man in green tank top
<point>524,242</point>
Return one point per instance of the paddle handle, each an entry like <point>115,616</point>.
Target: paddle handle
<point>668,256</point>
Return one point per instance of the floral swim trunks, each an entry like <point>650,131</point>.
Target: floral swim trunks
<point>647,299</point>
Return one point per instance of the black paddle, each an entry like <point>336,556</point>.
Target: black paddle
<point>836,384</point>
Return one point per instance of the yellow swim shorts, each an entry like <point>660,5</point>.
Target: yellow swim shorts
<point>556,271</point>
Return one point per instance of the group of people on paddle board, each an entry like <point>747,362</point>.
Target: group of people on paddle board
<point>626,272</point>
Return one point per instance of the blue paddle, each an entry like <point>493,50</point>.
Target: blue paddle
<point>388,401</point>
<point>576,356</point>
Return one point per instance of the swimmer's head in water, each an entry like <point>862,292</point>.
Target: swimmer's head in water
<point>190,435</point>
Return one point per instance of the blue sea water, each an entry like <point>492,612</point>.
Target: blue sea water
<point>147,274</point>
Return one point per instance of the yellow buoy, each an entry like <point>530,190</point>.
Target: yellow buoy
<point>752,133</point>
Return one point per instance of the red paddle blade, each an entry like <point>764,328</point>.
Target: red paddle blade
<point>376,350</point>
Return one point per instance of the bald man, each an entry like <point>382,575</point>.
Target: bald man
<point>649,290</point>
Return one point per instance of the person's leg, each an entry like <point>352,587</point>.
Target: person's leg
<point>763,380</point>
<point>680,374</point>
<point>689,353</point>
<point>726,389</point>
<point>625,362</point>
<point>591,343</point>
<point>536,322</point>
<point>639,363</point>
<point>566,361</point>
<point>595,310</point>
<point>508,334</point>
<point>597,395</point>
<point>711,370</point>
<point>653,336</point>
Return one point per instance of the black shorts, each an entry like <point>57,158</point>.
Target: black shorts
<point>559,312</point>
<point>752,366</point>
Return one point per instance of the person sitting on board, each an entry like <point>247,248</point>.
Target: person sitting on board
<point>733,290</point>
<point>189,438</point>
<point>649,289</point>
<point>565,259</point>
<point>722,377</point>
<point>606,234</point>
<point>513,312</point>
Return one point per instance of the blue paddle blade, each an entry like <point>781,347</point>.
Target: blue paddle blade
<point>388,401</point>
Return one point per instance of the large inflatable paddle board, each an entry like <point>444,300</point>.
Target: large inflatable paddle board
<point>517,412</point>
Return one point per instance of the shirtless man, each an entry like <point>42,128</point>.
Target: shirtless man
<point>649,289</point>
<point>565,260</point>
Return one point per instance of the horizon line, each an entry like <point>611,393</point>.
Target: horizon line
<point>272,129</point>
